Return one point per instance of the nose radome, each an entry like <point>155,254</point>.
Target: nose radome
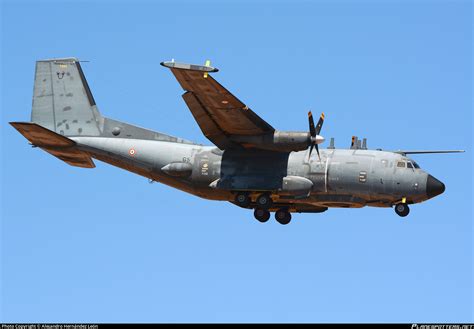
<point>434,187</point>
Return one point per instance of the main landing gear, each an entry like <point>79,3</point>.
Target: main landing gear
<point>264,201</point>
<point>262,205</point>
<point>283,216</point>
<point>262,215</point>
<point>242,199</point>
<point>402,209</point>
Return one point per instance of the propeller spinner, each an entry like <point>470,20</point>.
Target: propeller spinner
<point>314,132</point>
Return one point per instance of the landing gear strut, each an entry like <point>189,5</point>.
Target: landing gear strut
<point>402,209</point>
<point>283,216</point>
<point>262,215</point>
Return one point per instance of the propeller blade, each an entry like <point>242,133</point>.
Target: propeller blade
<point>311,150</point>
<point>312,130</point>
<point>320,124</point>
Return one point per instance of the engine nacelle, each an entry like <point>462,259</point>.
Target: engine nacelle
<point>279,141</point>
<point>291,140</point>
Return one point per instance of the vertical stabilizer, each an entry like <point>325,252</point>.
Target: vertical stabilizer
<point>62,100</point>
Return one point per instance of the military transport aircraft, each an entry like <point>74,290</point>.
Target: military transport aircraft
<point>252,164</point>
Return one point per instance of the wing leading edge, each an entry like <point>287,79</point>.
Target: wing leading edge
<point>428,151</point>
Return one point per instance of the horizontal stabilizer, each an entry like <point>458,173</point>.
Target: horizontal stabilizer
<point>53,143</point>
<point>428,152</point>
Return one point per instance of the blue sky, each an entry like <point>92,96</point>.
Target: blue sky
<point>104,245</point>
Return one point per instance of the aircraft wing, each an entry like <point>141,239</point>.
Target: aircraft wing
<point>428,151</point>
<point>219,114</point>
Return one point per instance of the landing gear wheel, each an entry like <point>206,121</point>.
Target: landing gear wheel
<point>402,209</point>
<point>262,215</point>
<point>242,199</point>
<point>264,201</point>
<point>283,216</point>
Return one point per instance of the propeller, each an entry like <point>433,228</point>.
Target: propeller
<point>314,133</point>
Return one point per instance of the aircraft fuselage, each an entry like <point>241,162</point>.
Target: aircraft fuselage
<point>340,178</point>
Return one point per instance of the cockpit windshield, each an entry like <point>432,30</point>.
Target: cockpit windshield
<point>412,164</point>
<point>408,163</point>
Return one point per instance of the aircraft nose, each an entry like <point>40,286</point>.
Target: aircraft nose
<point>434,187</point>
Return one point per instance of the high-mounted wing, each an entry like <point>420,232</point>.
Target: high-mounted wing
<point>428,151</point>
<point>222,117</point>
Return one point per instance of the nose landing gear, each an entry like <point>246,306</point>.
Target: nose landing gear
<point>402,209</point>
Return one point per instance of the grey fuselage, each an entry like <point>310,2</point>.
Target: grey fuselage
<point>340,178</point>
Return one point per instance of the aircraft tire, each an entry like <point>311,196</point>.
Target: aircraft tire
<point>264,200</point>
<point>402,209</point>
<point>283,217</point>
<point>262,215</point>
<point>242,199</point>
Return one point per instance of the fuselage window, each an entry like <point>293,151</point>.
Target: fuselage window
<point>409,165</point>
<point>401,164</point>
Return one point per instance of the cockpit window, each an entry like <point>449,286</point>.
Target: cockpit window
<point>401,164</point>
<point>416,165</point>
<point>409,165</point>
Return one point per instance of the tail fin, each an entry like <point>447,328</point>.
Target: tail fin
<point>62,100</point>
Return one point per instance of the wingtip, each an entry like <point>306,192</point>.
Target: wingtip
<point>190,67</point>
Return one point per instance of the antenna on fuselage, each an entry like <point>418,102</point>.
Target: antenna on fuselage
<point>331,144</point>
<point>354,143</point>
<point>357,144</point>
